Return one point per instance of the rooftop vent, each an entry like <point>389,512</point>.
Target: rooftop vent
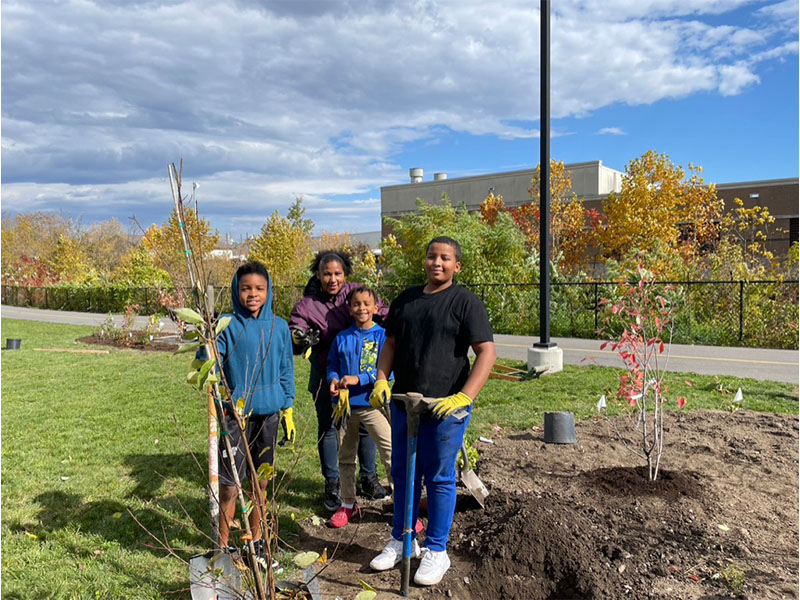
<point>439,176</point>
<point>416,175</point>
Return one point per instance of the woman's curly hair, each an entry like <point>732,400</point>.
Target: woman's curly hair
<point>323,257</point>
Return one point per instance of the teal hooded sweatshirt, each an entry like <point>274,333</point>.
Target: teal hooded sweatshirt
<point>256,355</point>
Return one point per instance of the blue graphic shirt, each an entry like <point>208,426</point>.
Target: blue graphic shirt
<point>355,351</point>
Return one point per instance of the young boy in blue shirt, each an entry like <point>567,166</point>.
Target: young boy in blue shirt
<point>255,352</point>
<point>429,332</point>
<point>351,372</point>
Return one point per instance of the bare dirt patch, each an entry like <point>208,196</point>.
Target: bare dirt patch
<point>583,521</point>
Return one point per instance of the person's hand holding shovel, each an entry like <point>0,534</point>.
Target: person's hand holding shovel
<point>444,407</point>
<point>379,397</point>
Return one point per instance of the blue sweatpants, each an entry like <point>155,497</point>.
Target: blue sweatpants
<point>438,444</point>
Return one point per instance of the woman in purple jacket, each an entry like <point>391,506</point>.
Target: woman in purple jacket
<point>314,322</point>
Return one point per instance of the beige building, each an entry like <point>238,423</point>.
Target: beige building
<point>592,182</point>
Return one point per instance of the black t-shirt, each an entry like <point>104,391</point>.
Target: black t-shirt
<point>433,333</point>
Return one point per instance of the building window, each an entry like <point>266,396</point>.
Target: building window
<point>793,233</point>
<point>754,195</point>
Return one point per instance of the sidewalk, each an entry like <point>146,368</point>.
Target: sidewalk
<point>75,318</point>
<point>756,363</point>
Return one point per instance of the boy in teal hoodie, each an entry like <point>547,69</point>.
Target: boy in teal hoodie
<point>255,352</point>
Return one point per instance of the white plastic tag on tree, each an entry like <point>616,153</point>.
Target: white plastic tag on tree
<point>738,396</point>
<point>601,404</point>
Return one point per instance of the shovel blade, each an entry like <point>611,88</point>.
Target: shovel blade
<point>213,576</point>
<point>475,486</point>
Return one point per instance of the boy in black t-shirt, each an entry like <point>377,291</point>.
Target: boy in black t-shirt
<point>429,331</point>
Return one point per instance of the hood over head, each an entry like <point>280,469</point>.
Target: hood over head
<point>241,312</point>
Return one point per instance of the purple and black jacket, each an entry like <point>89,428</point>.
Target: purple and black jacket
<point>330,315</point>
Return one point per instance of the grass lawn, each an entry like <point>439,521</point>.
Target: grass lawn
<point>86,438</point>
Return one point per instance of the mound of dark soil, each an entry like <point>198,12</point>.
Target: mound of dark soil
<point>583,521</point>
<point>532,548</point>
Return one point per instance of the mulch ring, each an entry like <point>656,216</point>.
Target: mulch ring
<point>135,342</point>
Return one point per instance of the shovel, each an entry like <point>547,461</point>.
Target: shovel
<point>214,576</point>
<point>470,479</point>
<point>416,405</point>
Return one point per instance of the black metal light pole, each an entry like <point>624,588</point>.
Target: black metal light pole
<point>544,181</point>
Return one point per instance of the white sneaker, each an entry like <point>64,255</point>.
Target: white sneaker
<point>432,567</point>
<point>393,554</point>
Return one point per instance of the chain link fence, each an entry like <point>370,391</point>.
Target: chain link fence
<point>725,313</point>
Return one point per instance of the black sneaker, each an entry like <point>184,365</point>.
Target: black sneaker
<point>332,498</point>
<point>372,489</point>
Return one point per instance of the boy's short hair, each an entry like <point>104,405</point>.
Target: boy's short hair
<point>361,289</point>
<point>443,239</point>
<point>323,257</point>
<point>251,267</point>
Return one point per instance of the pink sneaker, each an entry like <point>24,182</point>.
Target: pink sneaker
<point>342,516</point>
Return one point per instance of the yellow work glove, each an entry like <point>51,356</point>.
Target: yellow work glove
<point>380,395</point>
<point>342,409</point>
<point>444,407</point>
<point>289,430</point>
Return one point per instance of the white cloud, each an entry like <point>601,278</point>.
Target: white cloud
<point>782,14</point>
<point>734,78</point>
<point>265,101</point>
<point>610,131</point>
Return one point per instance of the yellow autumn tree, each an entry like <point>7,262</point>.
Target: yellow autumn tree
<point>70,262</point>
<point>283,247</point>
<point>491,208</point>
<point>741,252</point>
<point>105,242</point>
<point>29,242</point>
<point>166,245</point>
<point>137,268</point>
<point>332,239</point>
<point>659,206</point>
<point>570,231</point>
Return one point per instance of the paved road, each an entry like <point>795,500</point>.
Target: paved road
<point>757,363</point>
<point>73,318</point>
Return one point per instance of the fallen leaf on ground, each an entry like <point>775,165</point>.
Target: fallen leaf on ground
<point>305,559</point>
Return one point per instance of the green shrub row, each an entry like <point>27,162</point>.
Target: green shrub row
<point>756,314</point>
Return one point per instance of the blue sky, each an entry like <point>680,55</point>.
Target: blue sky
<point>330,100</point>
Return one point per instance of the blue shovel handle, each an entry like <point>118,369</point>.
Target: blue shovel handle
<point>415,406</point>
<point>408,525</point>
